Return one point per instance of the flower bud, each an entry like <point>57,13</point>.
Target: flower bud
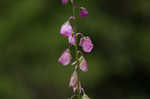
<point>74,81</point>
<point>86,44</point>
<point>83,64</point>
<point>65,58</point>
<point>85,96</point>
<point>66,29</point>
<point>64,1</point>
<point>72,39</point>
<point>83,12</point>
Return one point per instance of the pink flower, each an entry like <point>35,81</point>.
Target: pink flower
<point>65,58</point>
<point>86,44</point>
<point>83,64</point>
<point>83,12</point>
<point>74,81</point>
<point>66,29</point>
<point>64,1</point>
<point>72,39</point>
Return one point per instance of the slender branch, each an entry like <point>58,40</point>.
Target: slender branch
<point>77,54</point>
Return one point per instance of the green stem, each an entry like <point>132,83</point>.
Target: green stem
<point>77,58</point>
<point>76,47</point>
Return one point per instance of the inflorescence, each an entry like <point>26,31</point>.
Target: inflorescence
<point>78,41</point>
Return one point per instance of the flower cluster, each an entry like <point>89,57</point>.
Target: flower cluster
<point>77,40</point>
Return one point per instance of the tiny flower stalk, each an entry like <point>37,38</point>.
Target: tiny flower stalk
<point>68,30</point>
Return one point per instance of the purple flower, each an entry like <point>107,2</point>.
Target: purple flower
<point>74,81</point>
<point>83,64</point>
<point>66,29</point>
<point>64,1</point>
<point>86,44</point>
<point>72,39</point>
<point>83,12</point>
<point>65,58</point>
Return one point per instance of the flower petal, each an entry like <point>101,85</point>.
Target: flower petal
<point>66,29</point>
<point>65,58</point>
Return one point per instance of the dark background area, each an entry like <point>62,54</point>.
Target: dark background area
<point>30,45</point>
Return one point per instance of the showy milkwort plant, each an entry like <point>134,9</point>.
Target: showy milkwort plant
<point>77,41</point>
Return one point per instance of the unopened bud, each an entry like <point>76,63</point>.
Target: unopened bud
<point>74,81</point>
<point>83,12</point>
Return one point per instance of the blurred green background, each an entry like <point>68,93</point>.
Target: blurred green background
<point>30,45</point>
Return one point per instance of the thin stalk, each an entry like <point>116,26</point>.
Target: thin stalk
<point>76,47</point>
